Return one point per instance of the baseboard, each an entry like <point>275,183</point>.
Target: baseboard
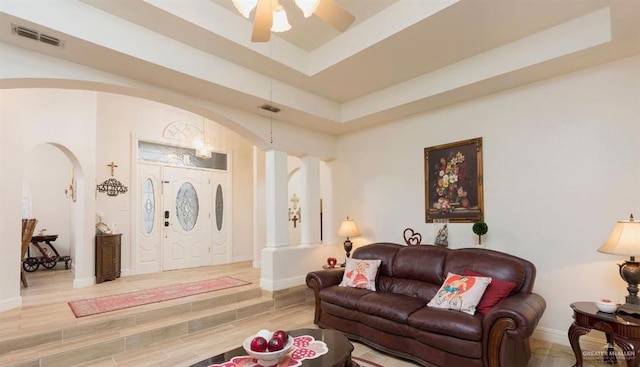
<point>240,259</point>
<point>83,283</point>
<point>10,304</point>
<point>269,285</point>
<point>256,264</point>
<point>561,337</point>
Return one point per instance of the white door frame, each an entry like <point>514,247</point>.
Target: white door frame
<point>136,212</point>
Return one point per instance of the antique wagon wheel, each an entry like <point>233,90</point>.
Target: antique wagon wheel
<point>30,264</point>
<point>49,263</point>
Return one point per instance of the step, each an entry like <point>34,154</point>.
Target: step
<point>102,343</point>
<point>188,350</point>
<point>127,332</point>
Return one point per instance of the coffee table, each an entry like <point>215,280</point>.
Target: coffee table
<point>339,354</point>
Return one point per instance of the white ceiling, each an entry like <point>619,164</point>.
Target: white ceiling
<point>399,58</point>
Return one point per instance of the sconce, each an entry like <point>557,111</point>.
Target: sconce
<point>294,211</point>
<point>70,192</point>
<point>112,187</point>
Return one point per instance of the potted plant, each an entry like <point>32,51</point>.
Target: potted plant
<point>480,228</point>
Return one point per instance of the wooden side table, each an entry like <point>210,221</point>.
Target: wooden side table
<point>623,330</point>
<point>108,256</point>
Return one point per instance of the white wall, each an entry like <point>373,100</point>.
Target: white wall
<point>561,166</point>
<point>31,118</point>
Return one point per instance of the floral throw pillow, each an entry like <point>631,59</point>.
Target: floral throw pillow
<point>360,274</point>
<point>460,292</point>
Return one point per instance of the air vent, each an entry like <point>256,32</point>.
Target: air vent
<point>50,40</point>
<point>270,108</point>
<point>26,32</point>
<point>37,36</point>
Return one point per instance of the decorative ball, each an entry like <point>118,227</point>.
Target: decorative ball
<point>480,228</point>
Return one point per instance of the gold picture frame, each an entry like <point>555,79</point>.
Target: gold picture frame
<point>453,182</point>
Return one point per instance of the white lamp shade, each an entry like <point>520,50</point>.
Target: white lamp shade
<point>245,6</point>
<point>624,240</point>
<point>348,229</point>
<point>308,7</point>
<point>280,20</point>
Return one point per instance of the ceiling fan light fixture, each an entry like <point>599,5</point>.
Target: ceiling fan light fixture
<point>308,7</point>
<point>280,21</point>
<point>245,7</point>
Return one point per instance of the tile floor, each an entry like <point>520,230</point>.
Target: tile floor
<point>48,292</point>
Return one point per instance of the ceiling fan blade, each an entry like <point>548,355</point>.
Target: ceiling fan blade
<point>334,14</point>
<point>262,22</point>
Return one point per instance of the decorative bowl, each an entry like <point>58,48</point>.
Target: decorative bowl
<point>267,359</point>
<point>607,306</point>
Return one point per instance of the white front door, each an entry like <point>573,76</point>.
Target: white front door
<point>187,213</point>
<point>221,217</point>
<point>150,223</point>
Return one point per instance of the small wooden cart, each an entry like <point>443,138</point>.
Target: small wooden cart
<point>48,259</point>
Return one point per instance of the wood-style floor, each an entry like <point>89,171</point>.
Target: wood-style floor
<point>45,306</point>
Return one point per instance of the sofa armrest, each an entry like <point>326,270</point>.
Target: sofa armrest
<point>325,278</point>
<point>516,316</point>
<point>524,309</point>
<point>321,279</point>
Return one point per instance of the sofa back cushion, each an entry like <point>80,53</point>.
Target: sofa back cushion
<point>419,271</point>
<point>379,251</point>
<point>493,264</point>
<point>415,271</point>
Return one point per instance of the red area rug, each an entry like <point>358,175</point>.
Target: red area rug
<point>93,306</point>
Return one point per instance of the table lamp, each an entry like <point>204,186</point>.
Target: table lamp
<point>348,229</point>
<point>625,240</point>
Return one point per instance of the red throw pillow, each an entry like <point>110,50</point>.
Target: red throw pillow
<point>496,291</point>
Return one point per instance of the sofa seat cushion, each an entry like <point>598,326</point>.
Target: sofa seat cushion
<point>346,297</point>
<point>339,311</point>
<point>450,344</point>
<point>385,325</point>
<point>390,306</point>
<point>447,322</point>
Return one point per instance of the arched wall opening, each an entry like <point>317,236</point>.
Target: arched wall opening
<point>88,165</point>
<point>53,193</point>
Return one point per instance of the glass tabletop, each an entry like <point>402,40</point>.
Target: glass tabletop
<point>338,355</point>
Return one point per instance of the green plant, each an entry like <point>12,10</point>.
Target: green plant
<point>480,228</point>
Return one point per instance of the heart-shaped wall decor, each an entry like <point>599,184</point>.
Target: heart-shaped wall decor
<point>411,237</point>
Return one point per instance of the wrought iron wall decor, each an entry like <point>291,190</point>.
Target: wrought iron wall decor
<point>111,186</point>
<point>294,211</point>
<point>71,191</point>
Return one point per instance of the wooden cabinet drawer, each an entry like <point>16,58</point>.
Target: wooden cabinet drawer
<point>109,239</point>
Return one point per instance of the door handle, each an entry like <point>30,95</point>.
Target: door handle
<point>166,214</point>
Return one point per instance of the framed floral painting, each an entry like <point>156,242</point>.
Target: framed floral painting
<point>453,182</point>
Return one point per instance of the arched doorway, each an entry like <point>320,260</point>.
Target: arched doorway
<point>50,194</point>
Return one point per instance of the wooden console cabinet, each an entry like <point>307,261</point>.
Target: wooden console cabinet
<point>108,249</point>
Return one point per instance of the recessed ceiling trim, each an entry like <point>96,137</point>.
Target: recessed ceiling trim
<point>397,17</point>
<point>585,32</point>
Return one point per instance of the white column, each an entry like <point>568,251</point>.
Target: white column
<point>276,186</point>
<point>310,201</point>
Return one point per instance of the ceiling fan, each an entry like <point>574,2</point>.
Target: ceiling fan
<point>271,16</point>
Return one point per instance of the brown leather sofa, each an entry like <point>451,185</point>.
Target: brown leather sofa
<point>396,319</point>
